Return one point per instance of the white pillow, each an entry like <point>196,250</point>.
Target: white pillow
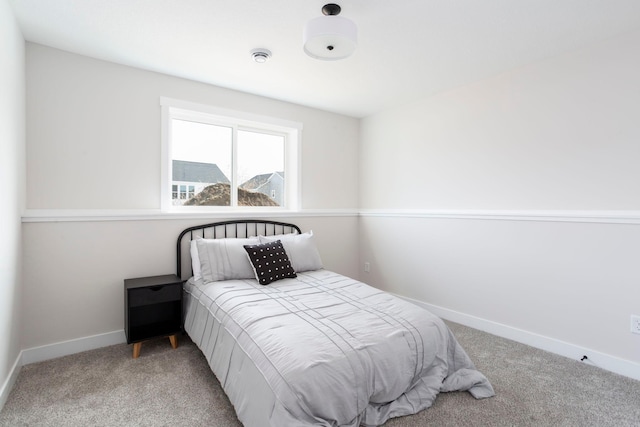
<point>195,261</point>
<point>301,249</point>
<point>224,259</point>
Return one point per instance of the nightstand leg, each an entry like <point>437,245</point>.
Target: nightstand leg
<point>174,341</point>
<point>136,349</point>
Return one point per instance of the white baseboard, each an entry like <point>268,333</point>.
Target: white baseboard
<point>10,381</point>
<point>51,351</point>
<point>601,360</point>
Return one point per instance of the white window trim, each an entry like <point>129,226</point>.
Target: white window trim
<point>171,108</point>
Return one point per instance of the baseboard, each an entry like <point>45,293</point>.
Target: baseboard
<point>601,360</point>
<point>51,351</point>
<point>7,386</point>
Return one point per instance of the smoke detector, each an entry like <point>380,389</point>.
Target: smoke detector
<point>261,55</point>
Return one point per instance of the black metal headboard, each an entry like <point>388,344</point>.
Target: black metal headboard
<point>228,229</point>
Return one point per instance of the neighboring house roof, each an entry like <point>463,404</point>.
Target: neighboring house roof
<point>259,180</point>
<point>198,172</point>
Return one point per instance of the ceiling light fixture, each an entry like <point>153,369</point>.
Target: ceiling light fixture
<point>261,55</point>
<point>330,37</point>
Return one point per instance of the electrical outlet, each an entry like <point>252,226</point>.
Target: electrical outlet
<point>635,324</point>
<point>367,267</point>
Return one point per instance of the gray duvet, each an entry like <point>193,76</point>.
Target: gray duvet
<point>324,350</point>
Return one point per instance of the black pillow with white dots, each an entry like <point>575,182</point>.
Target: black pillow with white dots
<point>270,262</point>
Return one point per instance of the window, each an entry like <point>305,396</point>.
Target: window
<point>181,192</point>
<point>217,159</point>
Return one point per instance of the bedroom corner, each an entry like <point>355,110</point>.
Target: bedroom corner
<point>12,173</point>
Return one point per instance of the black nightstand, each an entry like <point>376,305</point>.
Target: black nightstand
<point>152,308</point>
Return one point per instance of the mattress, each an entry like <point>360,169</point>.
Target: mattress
<point>324,350</point>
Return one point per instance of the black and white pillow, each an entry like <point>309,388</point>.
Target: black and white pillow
<point>270,262</point>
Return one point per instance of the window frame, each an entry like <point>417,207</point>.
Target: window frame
<point>237,120</point>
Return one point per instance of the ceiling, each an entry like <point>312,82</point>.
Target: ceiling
<point>407,49</point>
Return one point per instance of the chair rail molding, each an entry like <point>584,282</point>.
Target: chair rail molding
<point>589,216</point>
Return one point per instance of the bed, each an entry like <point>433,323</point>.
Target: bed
<point>310,347</point>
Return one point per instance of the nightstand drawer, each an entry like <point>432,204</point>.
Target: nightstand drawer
<point>155,294</point>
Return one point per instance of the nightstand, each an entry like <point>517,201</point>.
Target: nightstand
<point>152,308</point>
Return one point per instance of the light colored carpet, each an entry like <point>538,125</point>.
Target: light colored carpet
<point>165,387</point>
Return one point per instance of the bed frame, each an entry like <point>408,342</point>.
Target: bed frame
<point>240,228</point>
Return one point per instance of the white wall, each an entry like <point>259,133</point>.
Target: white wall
<point>93,142</point>
<point>12,174</point>
<point>94,135</point>
<point>558,134</point>
<point>555,138</point>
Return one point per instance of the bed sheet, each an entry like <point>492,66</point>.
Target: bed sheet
<point>325,350</point>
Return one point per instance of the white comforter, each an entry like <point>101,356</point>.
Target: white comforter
<point>326,350</point>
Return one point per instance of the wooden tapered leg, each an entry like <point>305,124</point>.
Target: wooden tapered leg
<point>174,341</point>
<point>136,349</point>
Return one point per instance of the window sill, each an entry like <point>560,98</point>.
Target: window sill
<point>87,215</point>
